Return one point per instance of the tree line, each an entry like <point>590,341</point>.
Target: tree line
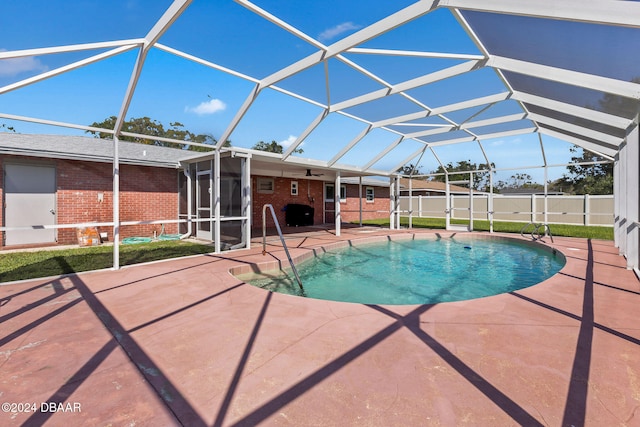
<point>593,178</point>
<point>176,130</point>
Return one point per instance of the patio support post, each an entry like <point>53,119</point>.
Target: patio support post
<point>392,223</point>
<point>619,197</point>
<point>397,204</point>
<point>336,196</point>
<point>546,200</point>
<point>246,203</point>
<point>216,200</point>
<point>447,196</point>
<point>452,205</point>
<point>617,200</point>
<point>360,197</point>
<point>190,194</point>
<point>587,208</point>
<point>470,201</point>
<point>410,203</point>
<point>533,207</point>
<point>116,204</point>
<point>490,202</point>
<point>632,206</point>
<point>546,186</point>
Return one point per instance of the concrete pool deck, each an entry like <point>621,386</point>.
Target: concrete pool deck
<point>183,342</point>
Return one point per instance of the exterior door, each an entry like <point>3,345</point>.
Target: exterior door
<point>30,201</point>
<point>203,206</point>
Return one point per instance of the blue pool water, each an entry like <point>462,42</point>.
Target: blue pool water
<point>417,271</point>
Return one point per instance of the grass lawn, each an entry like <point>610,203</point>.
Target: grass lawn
<point>590,232</point>
<point>28,265</point>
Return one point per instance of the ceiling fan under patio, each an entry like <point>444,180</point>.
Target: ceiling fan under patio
<point>310,174</point>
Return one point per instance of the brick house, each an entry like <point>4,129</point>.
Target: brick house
<point>282,191</point>
<point>54,180</point>
<point>319,195</point>
<point>69,180</point>
<point>375,200</point>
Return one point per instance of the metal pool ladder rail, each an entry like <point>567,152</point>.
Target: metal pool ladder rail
<point>284,244</point>
<point>536,234</point>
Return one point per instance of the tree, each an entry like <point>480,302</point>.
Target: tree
<point>8,128</point>
<point>588,179</point>
<point>597,178</point>
<point>460,172</point>
<point>273,147</point>
<point>153,128</point>
<point>618,105</point>
<point>518,181</point>
<point>410,169</point>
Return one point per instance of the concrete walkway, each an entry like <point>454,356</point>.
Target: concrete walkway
<point>184,342</point>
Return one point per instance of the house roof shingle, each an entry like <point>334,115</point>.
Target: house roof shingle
<point>92,149</point>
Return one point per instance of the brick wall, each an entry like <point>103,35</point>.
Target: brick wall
<point>307,190</point>
<point>2,200</point>
<point>146,193</point>
<point>349,209</point>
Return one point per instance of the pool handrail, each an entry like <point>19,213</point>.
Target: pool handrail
<point>284,244</point>
<point>536,230</point>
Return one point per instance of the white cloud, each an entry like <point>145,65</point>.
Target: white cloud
<point>333,32</point>
<point>210,107</point>
<point>287,142</point>
<point>14,66</point>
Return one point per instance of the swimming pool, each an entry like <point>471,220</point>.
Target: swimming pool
<point>417,271</point>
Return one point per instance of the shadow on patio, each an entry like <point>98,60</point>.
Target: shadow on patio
<point>188,344</point>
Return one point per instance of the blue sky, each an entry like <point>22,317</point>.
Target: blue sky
<point>225,33</point>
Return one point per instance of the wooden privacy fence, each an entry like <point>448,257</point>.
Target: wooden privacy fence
<point>561,209</point>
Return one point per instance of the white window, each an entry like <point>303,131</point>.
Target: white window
<point>330,193</point>
<point>294,188</point>
<point>264,185</point>
<point>369,193</point>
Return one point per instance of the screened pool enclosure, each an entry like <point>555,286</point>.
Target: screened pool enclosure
<point>352,88</point>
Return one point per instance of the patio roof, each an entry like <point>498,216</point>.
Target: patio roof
<point>518,67</point>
